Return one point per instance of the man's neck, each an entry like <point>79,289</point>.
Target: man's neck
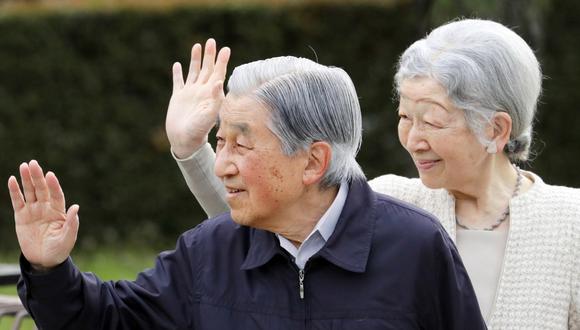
<point>299,220</point>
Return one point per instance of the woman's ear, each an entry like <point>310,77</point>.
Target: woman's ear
<point>502,128</point>
<point>319,156</point>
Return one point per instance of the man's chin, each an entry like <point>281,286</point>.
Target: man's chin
<point>239,218</point>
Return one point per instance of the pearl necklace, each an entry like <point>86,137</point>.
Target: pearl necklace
<point>505,213</point>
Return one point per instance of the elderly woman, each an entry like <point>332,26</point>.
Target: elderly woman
<point>467,98</point>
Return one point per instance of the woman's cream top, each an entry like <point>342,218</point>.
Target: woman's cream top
<point>482,253</point>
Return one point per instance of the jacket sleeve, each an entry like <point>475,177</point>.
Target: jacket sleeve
<point>456,304</point>
<point>198,172</point>
<point>65,298</point>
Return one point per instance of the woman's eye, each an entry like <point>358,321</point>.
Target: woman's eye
<point>432,124</point>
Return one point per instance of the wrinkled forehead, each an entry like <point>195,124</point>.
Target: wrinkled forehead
<point>426,91</point>
<point>243,113</point>
<point>415,89</point>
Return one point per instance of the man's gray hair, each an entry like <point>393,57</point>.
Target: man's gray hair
<point>308,102</point>
<point>485,67</point>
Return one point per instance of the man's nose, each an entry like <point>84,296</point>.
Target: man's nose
<point>224,165</point>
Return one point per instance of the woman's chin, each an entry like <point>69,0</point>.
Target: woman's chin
<point>429,181</point>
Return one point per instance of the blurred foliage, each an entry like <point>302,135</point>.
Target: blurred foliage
<point>526,17</point>
<point>85,93</point>
<point>26,7</point>
<point>558,124</point>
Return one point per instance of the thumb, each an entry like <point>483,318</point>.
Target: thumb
<point>71,225</point>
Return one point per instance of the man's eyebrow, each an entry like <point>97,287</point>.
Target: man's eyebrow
<point>244,128</point>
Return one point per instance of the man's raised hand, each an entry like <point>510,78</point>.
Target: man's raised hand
<point>46,231</point>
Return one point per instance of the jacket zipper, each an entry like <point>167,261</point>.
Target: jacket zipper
<point>301,283</point>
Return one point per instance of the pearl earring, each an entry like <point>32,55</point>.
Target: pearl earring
<point>491,147</point>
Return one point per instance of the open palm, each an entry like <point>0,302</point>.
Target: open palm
<point>46,232</point>
<point>195,102</point>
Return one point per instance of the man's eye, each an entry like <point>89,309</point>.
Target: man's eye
<point>239,145</point>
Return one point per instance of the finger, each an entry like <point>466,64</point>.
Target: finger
<point>27,185</point>
<point>15,194</point>
<point>221,65</point>
<point>38,181</point>
<point>217,91</point>
<point>208,61</point>
<point>177,76</point>
<point>55,190</point>
<point>194,64</point>
<point>71,225</point>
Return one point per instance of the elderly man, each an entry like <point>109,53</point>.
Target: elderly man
<point>307,244</point>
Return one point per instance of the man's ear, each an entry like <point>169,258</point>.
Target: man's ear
<point>502,128</point>
<point>319,156</point>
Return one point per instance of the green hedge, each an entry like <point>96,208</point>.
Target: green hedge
<point>86,95</point>
<point>558,124</point>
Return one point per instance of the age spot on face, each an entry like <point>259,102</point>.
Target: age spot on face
<point>276,173</point>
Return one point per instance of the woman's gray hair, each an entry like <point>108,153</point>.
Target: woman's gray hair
<point>308,102</point>
<point>485,67</point>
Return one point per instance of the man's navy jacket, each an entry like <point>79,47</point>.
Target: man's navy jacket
<point>388,265</point>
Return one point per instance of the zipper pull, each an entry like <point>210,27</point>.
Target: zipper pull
<point>301,282</point>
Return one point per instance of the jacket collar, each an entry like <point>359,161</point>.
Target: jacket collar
<point>348,247</point>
